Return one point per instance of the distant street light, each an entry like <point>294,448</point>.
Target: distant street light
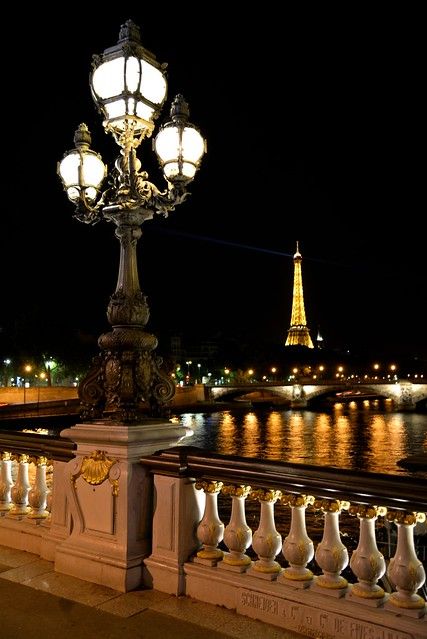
<point>7,362</point>
<point>27,369</point>
<point>188,362</point>
<point>129,88</point>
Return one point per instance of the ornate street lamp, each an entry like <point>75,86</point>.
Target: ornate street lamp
<point>129,88</point>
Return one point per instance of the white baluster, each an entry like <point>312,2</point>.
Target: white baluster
<point>37,496</point>
<point>237,534</point>
<point>405,570</point>
<point>367,562</point>
<point>331,555</point>
<point>6,482</point>
<point>210,531</point>
<point>49,501</point>
<point>267,542</point>
<point>298,548</point>
<point>20,490</point>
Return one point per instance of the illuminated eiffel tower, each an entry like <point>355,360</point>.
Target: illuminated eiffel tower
<point>298,334</point>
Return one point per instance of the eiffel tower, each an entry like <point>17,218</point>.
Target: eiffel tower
<point>298,333</point>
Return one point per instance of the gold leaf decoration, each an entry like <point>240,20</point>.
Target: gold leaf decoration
<point>295,500</point>
<point>95,469</point>
<point>209,487</point>
<point>331,506</point>
<point>266,495</point>
<point>405,517</point>
<point>367,511</point>
<point>236,491</point>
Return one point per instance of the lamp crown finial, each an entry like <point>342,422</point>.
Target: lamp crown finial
<point>179,108</point>
<point>82,136</point>
<point>130,31</point>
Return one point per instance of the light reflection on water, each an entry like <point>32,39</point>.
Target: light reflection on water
<point>347,437</point>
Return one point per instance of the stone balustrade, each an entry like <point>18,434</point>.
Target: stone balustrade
<point>33,513</point>
<point>274,571</point>
<point>323,552</point>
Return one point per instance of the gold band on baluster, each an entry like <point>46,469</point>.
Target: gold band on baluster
<point>266,495</point>
<point>209,486</point>
<point>295,500</point>
<point>236,491</point>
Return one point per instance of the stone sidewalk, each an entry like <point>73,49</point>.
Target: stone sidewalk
<point>36,602</point>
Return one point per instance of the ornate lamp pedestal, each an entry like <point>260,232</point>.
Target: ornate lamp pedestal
<point>126,380</point>
<point>109,500</point>
<point>125,393</point>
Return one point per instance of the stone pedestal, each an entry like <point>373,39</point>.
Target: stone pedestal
<point>109,496</point>
<point>60,521</point>
<point>178,509</point>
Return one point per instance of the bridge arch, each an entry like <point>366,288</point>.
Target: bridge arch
<point>405,394</point>
<point>232,392</point>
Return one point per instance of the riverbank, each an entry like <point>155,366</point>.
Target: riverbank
<point>55,411</point>
<point>39,398</point>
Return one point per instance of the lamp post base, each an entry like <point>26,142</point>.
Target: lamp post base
<point>109,498</point>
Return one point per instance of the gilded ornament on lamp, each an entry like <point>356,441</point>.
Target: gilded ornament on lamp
<point>297,500</point>
<point>209,487</point>
<point>236,491</point>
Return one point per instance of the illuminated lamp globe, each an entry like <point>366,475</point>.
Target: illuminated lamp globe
<point>128,84</point>
<point>179,145</point>
<point>81,170</point>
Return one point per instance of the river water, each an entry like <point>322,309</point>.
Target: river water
<point>349,436</point>
<point>366,436</point>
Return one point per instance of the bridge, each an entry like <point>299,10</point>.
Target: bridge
<point>406,395</point>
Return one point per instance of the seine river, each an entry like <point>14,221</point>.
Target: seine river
<point>350,436</point>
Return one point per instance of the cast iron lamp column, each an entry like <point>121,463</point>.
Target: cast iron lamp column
<point>129,88</point>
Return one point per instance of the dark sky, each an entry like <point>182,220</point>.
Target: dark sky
<point>313,119</point>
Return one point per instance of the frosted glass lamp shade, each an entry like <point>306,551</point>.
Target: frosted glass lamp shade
<point>129,75</point>
<point>128,84</point>
<point>179,145</point>
<point>82,170</point>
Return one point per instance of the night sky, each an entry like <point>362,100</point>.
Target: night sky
<point>312,120</point>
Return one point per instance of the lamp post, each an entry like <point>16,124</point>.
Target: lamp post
<point>188,362</point>
<point>6,363</point>
<point>27,369</point>
<point>129,87</point>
